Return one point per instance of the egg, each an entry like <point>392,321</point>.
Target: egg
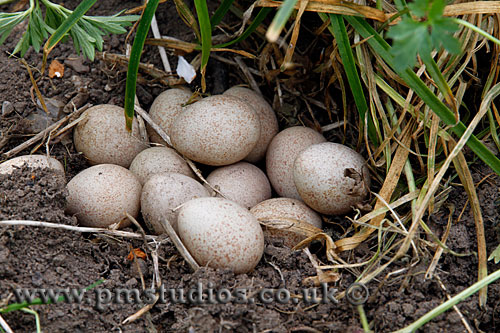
<point>32,161</point>
<point>267,119</point>
<point>218,130</point>
<point>164,192</point>
<point>242,183</point>
<point>165,108</point>
<point>103,138</point>
<point>101,195</point>
<point>289,209</point>
<point>281,154</point>
<point>221,234</point>
<point>156,160</point>
<point>331,178</point>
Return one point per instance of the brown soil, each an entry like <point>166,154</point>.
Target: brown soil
<point>35,257</point>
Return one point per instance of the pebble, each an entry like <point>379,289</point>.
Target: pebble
<point>143,266</point>
<point>54,106</point>
<point>76,63</point>
<point>20,106</point>
<point>131,283</point>
<point>37,279</point>
<point>7,108</point>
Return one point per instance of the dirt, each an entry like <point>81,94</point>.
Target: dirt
<point>38,257</point>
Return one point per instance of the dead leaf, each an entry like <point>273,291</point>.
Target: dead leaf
<point>56,69</point>
<point>328,276</point>
<point>138,253</point>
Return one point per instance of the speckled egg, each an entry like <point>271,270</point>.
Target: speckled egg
<point>331,178</point>
<point>218,130</point>
<point>100,195</point>
<point>165,108</point>
<point>221,234</point>
<point>267,118</point>
<point>289,209</point>
<point>242,183</point>
<point>156,160</point>
<point>32,161</point>
<point>164,192</point>
<point>103,138</point>
<point>281,154</point>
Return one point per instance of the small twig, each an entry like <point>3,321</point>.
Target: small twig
<point>457,310</point>
<point>141,230</point>
<point>139,227</point>
<point>140,111</point>
<point>329,127</point>
<point>161,49</point>
<point>248,75</point>
<point>118,233</point>
<point>141,312</point>
<point>148,307</point>
<point>35,86</point>
<point>232,63</point>
<point>169,230</point>
<point>5,326</point>
<point>279,272</point>
<point>162,76</point>
<point>68,127</point>
<point>43,133</point>
<point>137,266</point>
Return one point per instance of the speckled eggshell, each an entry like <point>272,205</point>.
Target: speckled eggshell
<point>100,195</point>
<point>267,118</point>
<point>103,138</point>
<point>290,209</point>
<point>218,130</point>
<point>319,174</point>
<point>281,154</point>
<point>242,183</point>
<point>156,160</point>
<point>165,108</point>
<point>32,161</point>
<point>164,192</point>
<point>221,234</point>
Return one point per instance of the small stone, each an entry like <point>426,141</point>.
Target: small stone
<point>76,63</point>
<point>7,108</point>
<point>408,309</point>
<point>39,121</point>
<point>37,279</point>
<point>54,106</point>
<point>59,259</point>
<point>131,283</point>
<point>20,106</point>
<point>76,102</point>
<point>142,265</point>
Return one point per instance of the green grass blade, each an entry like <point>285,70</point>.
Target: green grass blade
<point>279,21</point>
<point>65,27</point>
<point>251,28</point>
<point>476,29</point>
<point>451,302</point>
<point>433,69</point>
<point>342,39</point>
<point>220,13</point>
<point>414,82</point>
<point>37,319</point>
<point>135,57</point>
<point>206,37</point>
<point>188,17</point>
